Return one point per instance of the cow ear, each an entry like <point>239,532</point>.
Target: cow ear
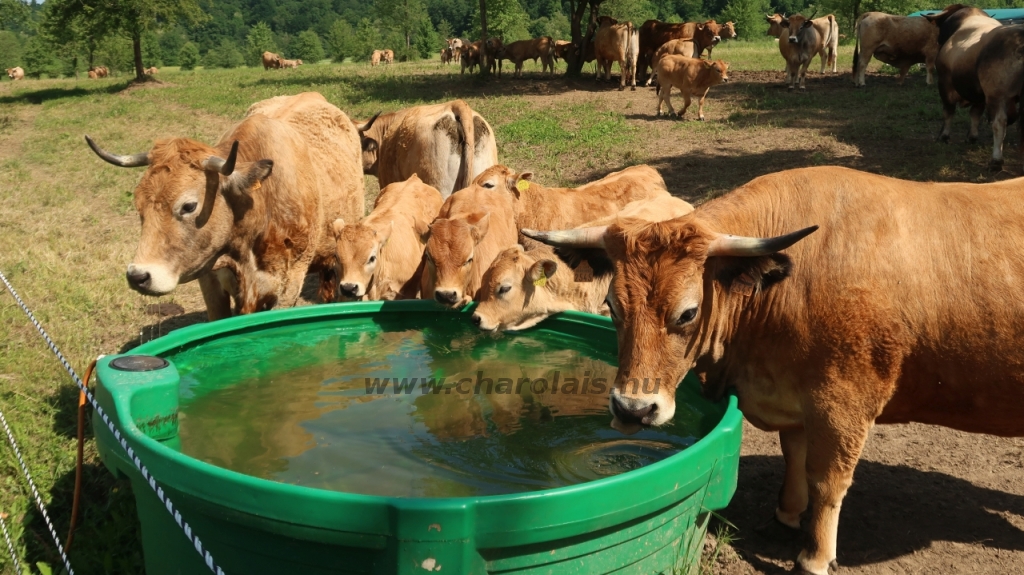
<point>370,145</point>
<point>244,182</point>
<point>708,63</point>
<point>542,271</point>
<point>336,227</point>
<point>478,225</point>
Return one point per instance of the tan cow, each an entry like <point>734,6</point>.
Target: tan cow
<point>92,75</point>
<point>800,46</point>
<point>100,71</point>
<point>686,48</point>
<point>978,65</point>
<point>387,56</point>
<point>16,73</point>
<point>251,226</point>
<point>494,48</point>
<point>379,256</point>
<point>726,32</point>
<point>375,57</point>
<point>473,226</point>
<point>654,34</point>
<point>271,60</point>
<point>888,316</point>
<point>693,77</point>
<point>446,55</point>
<point>896,40</point>
<point>447,145</point>
<point>616,42</point>
<point>522,50</point>
<point>151,71</point>
<point>470,56</point>
<point>524,287</point>
<point>455,45</point>
<point>543,208</point>
<point>291,63</point>
<point>562,48</point>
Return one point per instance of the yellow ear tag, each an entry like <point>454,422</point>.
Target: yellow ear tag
<point>257,185</point>
<point>541,281</point>
<point>522,185</point>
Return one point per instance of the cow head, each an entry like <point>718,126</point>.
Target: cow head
<point>798,26</point>
<point>676,288</point>
<point>728,31</point>
<point>517,291</point>
<point>719,68</point>
<point>503,179</point>
<point>371,134</point>
<point>358,251</point>
<point>188,201</point>
<point>451,244</point>
<point>777,24</point>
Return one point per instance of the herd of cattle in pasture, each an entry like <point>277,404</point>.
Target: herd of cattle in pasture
<point>272,60</point>
<point>903,307</point>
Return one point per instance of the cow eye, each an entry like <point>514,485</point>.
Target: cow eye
<point>504,289</point>
<point>371,260</point>
<point>687,316</point>
<point>469,261</point>
<point>611,308</point>
<point>489,185</point>
<point>189,207</point>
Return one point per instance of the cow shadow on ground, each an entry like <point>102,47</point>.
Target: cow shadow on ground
<point>48,94</point>
<point>889,512</point>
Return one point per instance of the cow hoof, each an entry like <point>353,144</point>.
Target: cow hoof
<point>791,87</point>
<point>944,138</point>
<point>621,88</point>
<point>995,165</point>
<point>702,119</point>
<point>972,139</point>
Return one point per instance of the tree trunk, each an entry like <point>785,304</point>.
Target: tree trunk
<point>140,75</point>
<point>484,70</point>
<point>576,58</point>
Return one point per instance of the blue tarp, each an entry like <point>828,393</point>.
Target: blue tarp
<point>1004,15</point>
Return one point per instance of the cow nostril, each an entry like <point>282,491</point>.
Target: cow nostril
<point>631,416</point>
<point>349,289</point>
<point>476,319</point>
<point>445,296</point>
<point>138,278</point>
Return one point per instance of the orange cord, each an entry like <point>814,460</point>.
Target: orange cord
<point>81,457</point>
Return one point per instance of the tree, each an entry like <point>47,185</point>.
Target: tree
<point>747,16</point>
<point>341,41</point>
<point>227,55</point>
<point>12,12</point>
<point>40,58</point>
<point>444,30</point>
<point>405,16</point>
<point>260,39</point>
<point>577,9</point>
<point>635,11</point>
<point>507,20</point>
<point>188,57</point>
<point>428,42</point>
<point>307,47</point>
<point>10,50</point>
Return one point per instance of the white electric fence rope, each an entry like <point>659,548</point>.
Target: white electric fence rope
<point>150,480</point>
<point>10,546</point>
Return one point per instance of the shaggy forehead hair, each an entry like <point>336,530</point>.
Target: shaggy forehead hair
<point>177,151</point>
<point>684,237</point>
<point>442,232</point>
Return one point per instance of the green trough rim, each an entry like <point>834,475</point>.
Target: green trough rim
<point>230,492</point>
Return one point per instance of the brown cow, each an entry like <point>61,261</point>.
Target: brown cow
<point>542,208</point>
<point>251,226</point>
<point>965,78</point>
<point>693,77</point>
<point>473,227</point>
<point>92,75</point>
<point>518,52</point>
<point>470,56</point>
<point>494,49</point>
<point>888,316</point>
<point>653,34</point>
<point>896,40</point>
<point>375,57</point>
<point>271,60</point>
<point>726,32</point>
<point>387,56</point>
<point>827,45</point>
<point>447,145</point>
<point>291,63</point>
<point>523,287</point>
<point>686,48</point>
<point>379,256</point>
<point>614,42</point>
<point>562,48</point>
<point>101,71</point>
<point>446,55</point>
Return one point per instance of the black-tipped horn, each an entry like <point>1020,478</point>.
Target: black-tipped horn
<point>741,246</point>
<point>367,124</point>
<point>813,14</point>
<point>225,167</point>
<point>577,238</point>
<point>131,161</point>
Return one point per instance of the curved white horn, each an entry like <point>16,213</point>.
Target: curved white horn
<point>577,238</point>
<point>726,245</point>
<point>131,161</point>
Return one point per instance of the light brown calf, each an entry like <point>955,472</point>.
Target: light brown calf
<point>387,56</point>
<point>375,57</point>
<point>291,63</point>
<point>271,60</point>
<point>686,48</point>
<point>693,77</point>
<point>379,257</point>
<point>16,73</point>
<point>654,34</point>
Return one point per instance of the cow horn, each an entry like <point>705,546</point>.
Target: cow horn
<point>132,161</point>
<point>577,238</point>
<point>225,167</point>
<point>813,14</point>
<point>366,125</point>
<point>726,245</point>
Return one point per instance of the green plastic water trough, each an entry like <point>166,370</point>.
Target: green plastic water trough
<point>649,520</point>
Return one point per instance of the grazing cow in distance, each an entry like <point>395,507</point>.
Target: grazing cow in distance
<point>252,216</point>
<point>271,60</point>
<point>92,75</point>
<point>967,79</point>
<point>387,56</point>
<point>892,315</point>
<point>375,57</point>
<point>539,207</point>
<point>654,34</point>
<point>473,226</point>
<point>899,41</point>
<point>379,256</point>
<point>523,287</point>
<point>522,50</point>
<point>827,28</point>
<point>693,77</point>
<point>101,71</point>
<point>151,71</point>
<point>614,42</point>
<point>291,63</point>
<point>447,145</point>
<point>446,55</point>
<point>15,73</point>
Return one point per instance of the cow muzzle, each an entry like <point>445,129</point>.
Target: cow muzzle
<point>351,290</point>
<point>716,39</point>
<point>154,280</point>
<point>447,297</point>
<point>633,413</point>
<point>792,39</point>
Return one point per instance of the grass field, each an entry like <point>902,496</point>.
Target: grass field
<point>68,227</point>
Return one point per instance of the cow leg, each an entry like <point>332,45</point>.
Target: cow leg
<point>686,103</point>
<point>793,495</point>
<point>700,105</point>
<point>824,60</point>
<point>929,68</point>
<point>947,95</point>
<point>215,286</point>
<point>622,75</point>
<point>803,75</point>
<point>976,112</point>
<point>903,73</point>
<point>831,459</point>
<point>997,110</point>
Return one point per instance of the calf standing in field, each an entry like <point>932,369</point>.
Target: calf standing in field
<point>379,257</point>
<point>677,47</point>
<point>523,287</point>
<point>375,57</point>
<point>693,77</point>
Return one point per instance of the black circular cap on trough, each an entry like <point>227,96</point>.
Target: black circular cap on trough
<point>139,363</point>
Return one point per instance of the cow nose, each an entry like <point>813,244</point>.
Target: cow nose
<point>628,415</point>
<point>717,38</point>
<point>792,39</point>
<point>350,290</point>
<point>445,296</point>
<point>476,319</point>
<point>138,278</point>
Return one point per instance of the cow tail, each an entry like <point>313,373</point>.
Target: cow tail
<point>632,47</point>
<point>856,47</point>
<point>464,116</point>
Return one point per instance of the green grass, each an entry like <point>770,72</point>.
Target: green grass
<point>68,227</point>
